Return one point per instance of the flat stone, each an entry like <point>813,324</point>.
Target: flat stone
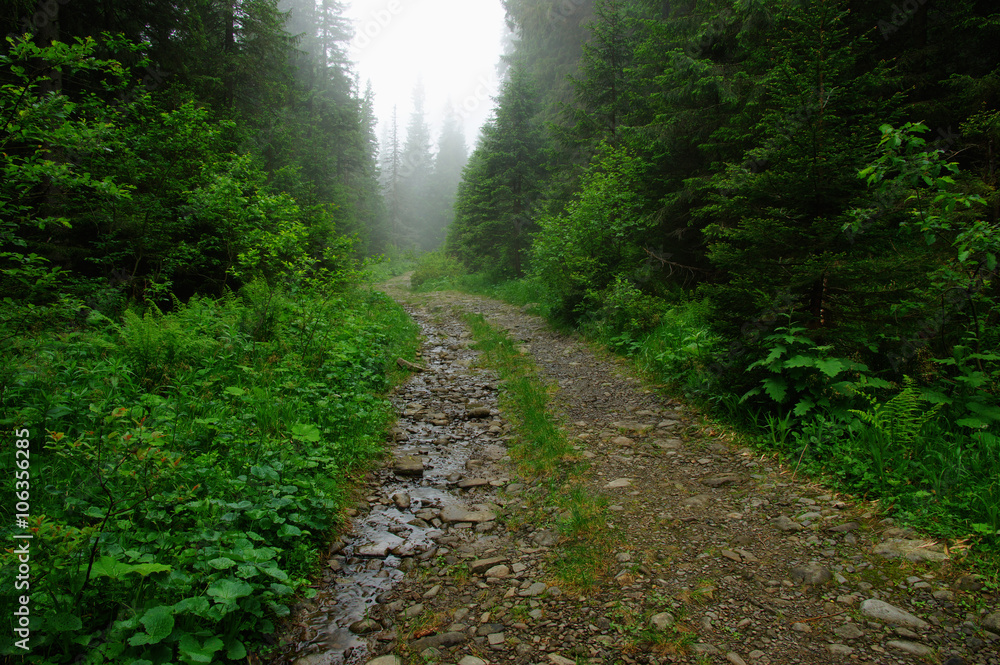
<point>845,528</point>
<point>729,554</point>
<point>469,483</point>
<point>545,538</point>
<point>439,640</point>
<point>408,466</point>
<point>883,611</point>
<point>662,621</point>
<point>497,572</point>
<point>992,622</point>
<point>787,524</point>
<point>556,659</point>
<point>696,500</point>
<point>969,583</point>
<point>620,482</point>
<point>482,565</point>
<point>414,611</point>
<point>536,589</point>
<point>471,660</point>
<point>365,627</point>
<point>386,660</point>
<point>802,627</point>
<point>912,550</point>
<point>495,638</point>
<point>811,574</point>
<point>402,500</point>
<point>452,513</point>
<point>839,649</point>
<point>622,441</point>
<point>478,412</point>
<point>910,647</point>
<point>735,658</point>
<point>724,479</point>
<point>848,631</point>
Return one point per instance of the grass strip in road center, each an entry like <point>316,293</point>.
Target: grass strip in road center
<point>544,454</point>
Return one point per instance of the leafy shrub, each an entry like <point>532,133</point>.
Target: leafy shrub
<point>194,471</point>
<point>435,266</point>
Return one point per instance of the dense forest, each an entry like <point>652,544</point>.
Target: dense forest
<point>787,209</point>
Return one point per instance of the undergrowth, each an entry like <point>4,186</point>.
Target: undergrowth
<point>186,467</point>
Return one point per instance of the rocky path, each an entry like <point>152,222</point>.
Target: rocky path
<point>720,555</point>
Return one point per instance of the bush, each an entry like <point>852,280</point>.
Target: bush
<point>435,266</point>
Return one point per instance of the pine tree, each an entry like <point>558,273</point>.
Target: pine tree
<point>493,214</point>
<point>415,171</point>
<point>449,161</point>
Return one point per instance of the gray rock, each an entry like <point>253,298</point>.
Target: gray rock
<point>735,659</point>
<point>787,524</point>
<point>848,631</point>
<point>402,500</point>
<point>845,528</point>
<point>662,621</point>
<point>556,659</point>
<point>469,483</point>
<point>619,483</point>
<point>696,501</point>
<point>365,627</point>
<point>437,641</point>
<point>471,660</point>
<point>478,412</point>
<point>910,648</point>
<point>969,583</point>
<point>992,622</point>
<point>452,513</point>
<point>386,660</point>
<point>839,649</point>
<point>536,589</point>
<point>724,479</point>
<point>883,611</point>
<point>912,550</point>
<point>489,629</point>
<point>497,572</point>
<point>414,611</point>
<point>482,565</point>
<point>408,466</point>
<point>545,538</point>
<point>811,574</point>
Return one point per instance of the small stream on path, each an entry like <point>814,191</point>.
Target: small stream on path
<point>412,508</point>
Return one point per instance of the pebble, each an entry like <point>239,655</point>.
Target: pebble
<point>848,631</point>
<point>471,660</point>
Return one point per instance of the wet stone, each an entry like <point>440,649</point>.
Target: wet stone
<point>883,611</point>
<point>409,467</point>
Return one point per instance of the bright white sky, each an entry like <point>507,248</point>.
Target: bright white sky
<point>453,46</point>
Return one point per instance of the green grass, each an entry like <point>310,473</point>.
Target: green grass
<point>186,467</point>
<point>544,454</point>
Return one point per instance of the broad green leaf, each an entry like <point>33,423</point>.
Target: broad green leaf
<point>193,652</point>
<point>974,423</point>
<point>159,622</point>
<point>831,366</point>
<point>196,605</point>
<point>776,389</point>
<point>63,622</point>
<point>804,406</point>
<point>236,650</point>
<point>222,563</point>
<point>305,432</point>
<point>289,530</point>
<point>116,570</point>
<point>235,391</point>
<point>228,590</point>
<point>801,361</point>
